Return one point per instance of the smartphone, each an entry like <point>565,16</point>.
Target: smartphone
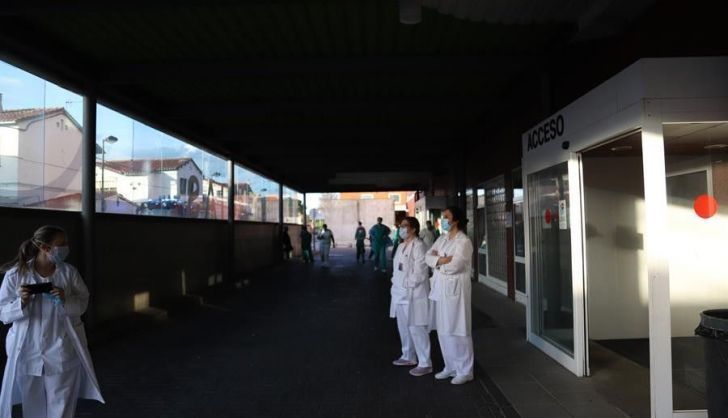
<point>39,288</point>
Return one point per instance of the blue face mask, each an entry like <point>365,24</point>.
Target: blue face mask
<point>403,232</point>
<point>444,225</point>
<point>59,254</point>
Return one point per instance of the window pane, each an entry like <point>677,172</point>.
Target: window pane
<point>292,206</point>
<point>696,165</point>
<point>143,171</point>
<point>496,215</point>
<point>40,142</point>
<point>256,197</point>
<point>550,237</point>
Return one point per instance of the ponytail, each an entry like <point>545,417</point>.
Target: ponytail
<point>30,248</point>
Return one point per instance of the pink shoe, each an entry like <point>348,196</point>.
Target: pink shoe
<point>420,371</point>
<point>402,362</point>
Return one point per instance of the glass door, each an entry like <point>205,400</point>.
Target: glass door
<point>556,294</point>
<point>519,243</point>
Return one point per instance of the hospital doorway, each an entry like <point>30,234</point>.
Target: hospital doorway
<point>616,272</point>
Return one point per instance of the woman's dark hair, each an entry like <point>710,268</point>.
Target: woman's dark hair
<point>30,248</point>
<point>414,224</point>
<point>458,216</point>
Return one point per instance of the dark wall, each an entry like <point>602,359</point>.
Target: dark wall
<point>19,225</point>
<point>257,245</point>
<point>294,231</point>
<point>155,255</point>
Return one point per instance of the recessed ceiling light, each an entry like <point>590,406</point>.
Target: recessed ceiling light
<point>716,146</point>
<point>622,148</point>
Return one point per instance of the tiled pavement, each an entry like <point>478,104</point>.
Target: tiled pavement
<point>301,341</point>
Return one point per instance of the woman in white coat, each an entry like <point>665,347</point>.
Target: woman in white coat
<point>48,366</point>
<point>410,304</point>
<point>451,258</point>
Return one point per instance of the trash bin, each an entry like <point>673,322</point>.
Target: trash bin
<point>714,330</point>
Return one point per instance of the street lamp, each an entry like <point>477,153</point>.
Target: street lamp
<point>110,139</point>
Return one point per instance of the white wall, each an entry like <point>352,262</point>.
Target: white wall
<point>342,216</point>
<point>8,142</point>
<point>616,262</point>
<point>41,159</point>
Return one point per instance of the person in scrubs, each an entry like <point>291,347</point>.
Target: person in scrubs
<point>379,235</point>
<point>450,258</point>
<point>326,240</point>
<point>428,235</point>
<point>410,304</point>
<point>359,237</point>
<point>48,366</point>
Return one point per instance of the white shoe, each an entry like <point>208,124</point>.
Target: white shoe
<point>403,362</point>
<point>420,371</point>
<point>445,374</point>
<point>376,268</point>
<point>459,380</point>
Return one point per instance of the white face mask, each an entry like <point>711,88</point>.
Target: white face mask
<point>403,232</point>
<point>59,254</point>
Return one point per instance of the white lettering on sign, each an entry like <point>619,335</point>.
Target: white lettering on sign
<point>545,133</point>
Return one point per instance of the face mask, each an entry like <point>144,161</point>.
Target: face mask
<point>403,232</point>
<point>58,254</point>
<point>444,224</point>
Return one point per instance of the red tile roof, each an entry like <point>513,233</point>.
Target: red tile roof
<point>17,115</point>
<point>145,166</point>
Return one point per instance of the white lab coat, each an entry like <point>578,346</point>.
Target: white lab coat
<point>411,285</point>
<point>11,312</point>
<point>451,286</point>
<point>428,237</point>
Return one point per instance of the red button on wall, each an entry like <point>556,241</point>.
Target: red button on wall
<point>705,206</point>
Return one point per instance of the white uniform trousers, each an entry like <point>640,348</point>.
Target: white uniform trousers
<point>52,396</point>
<point>415,338</point>
<point>457,351</point>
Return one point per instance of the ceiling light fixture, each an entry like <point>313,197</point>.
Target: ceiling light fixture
<point>622,148</point>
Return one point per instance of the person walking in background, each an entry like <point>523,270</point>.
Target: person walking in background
<point>428,235</point>
<point>395,241</point>
<point>306,245</point>
<point>286,245</point>
<point>379,235</point>
<point>326,240</point>
<point>360,236</point>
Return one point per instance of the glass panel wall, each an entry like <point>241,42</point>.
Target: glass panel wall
<point>550,239</point>
<point>696,165</point>
<point>496,218</point>
<point>519,243</point>
<point>41,130</point>
<point>292,206</point>
<point>481,239</point>
<point>143,171</point>
<point>256,197</point>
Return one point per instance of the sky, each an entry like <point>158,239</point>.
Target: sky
<point>21,89</point>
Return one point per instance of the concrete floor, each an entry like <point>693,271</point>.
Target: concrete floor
<point>537,386</point>
<point>301,341</point>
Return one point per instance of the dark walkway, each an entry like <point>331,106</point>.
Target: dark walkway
<point>301,341</point>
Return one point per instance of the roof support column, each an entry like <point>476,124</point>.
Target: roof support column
<point>88,204</point>
<point>230,262</point>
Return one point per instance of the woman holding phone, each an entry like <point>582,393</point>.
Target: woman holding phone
<point>48,366</point>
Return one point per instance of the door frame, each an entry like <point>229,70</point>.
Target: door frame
<point>575,363</point>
